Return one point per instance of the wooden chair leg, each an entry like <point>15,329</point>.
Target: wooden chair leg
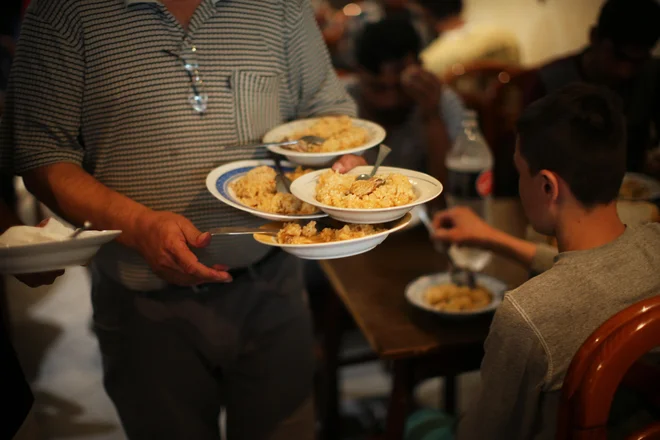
<point>332,335</point>
<point>399,399</point>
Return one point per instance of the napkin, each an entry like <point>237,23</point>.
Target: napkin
<point>22,235</point>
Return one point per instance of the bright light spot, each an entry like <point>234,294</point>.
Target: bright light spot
<point>352,10</point>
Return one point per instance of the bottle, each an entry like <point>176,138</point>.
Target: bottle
<point>470,183</point>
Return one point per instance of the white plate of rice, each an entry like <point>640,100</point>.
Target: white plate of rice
<point>353,240</point>
<point>329,191</point>
<point>249,185</point>
<point>418,291</point>
<point>344,135</point>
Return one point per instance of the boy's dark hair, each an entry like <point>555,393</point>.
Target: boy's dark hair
<point>630,22</point>
<point>577,132</point>
<point>441,9</point>
<point>391,39</point>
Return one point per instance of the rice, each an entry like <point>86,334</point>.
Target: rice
<point>293,233</point>
<point>339,134</point>
<point>258,190</point>
<point>334,189</point>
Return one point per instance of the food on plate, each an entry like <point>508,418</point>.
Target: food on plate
<point>339,133</point>
<point>382,191</point>
<point>293,233</point>
<point>258,190</point>
<point>634,189</point>
<point>452,298</point>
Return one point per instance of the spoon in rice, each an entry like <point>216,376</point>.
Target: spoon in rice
<point>365,183</point>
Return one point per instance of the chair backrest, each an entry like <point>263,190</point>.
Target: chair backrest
<point>599,367</point>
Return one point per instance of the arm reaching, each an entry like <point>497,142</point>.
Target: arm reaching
<point>463,227</point>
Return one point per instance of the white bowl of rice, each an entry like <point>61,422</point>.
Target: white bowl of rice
<point>399,191</point>
<point>343,135</point>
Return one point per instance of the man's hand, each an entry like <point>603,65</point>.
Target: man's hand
<point>163,239</point>
<point>348,162</point>
<point>462,226</point>
<point>424,87</point>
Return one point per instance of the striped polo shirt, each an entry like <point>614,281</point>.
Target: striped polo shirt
<point>95,83</point>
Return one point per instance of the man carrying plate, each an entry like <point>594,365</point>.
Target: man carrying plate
<point>116,112</point>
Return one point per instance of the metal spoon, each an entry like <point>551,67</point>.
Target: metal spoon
<point>240,230</point>
<point>383,151</point>
<point>85,227</point>
<point>285,144</point>
<point>459,276</point>
<point>303,143</point>
<point>282,183</point>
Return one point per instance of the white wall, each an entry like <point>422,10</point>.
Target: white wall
<point>546,28</point>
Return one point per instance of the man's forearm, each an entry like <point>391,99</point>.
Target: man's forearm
<point>516,248</point>
<point>78,197</point>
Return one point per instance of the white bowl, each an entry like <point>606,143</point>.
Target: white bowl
<point>334,249</point>
<point>426,188</point>
<point>219,181</point>
<point>53,255</point>
<point>376,135</point>
<point>416,289</point>
<point>651,184</point>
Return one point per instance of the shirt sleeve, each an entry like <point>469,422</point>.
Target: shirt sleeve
<point>544,258</point>
<point>512,376</point>
<point>312,79</point>
<point>452,109</point>
<point>41,124</point>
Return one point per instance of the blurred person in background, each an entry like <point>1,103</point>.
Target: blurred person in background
<point>619,57</point>
<point>343,26</point>
<point>422,116</point>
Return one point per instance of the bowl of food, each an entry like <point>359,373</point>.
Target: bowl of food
<point>388,196</point>
<point>342,134</point>
<point>250,185</point>
<point>318,241</point>
<point>638,187</point>
<point>437,294</point>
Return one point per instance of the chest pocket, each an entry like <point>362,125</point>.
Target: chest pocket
<point>257,102</point>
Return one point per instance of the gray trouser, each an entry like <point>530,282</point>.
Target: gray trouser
<point>174,357</point>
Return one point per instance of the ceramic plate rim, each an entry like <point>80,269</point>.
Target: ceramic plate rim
<point>490,308</point>
<point>213,176</point>
<point>400,224</point>
<point>378,139</point>
<point>90,241</point>
<point>419,201</point>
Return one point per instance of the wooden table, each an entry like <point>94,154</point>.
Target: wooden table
<point>420,345</point>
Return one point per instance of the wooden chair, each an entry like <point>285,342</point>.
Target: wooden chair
<point>608,359</point>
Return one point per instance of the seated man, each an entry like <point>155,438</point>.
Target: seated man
<point>619,57</point>
<point>570,156</point>
<point>421,116</point>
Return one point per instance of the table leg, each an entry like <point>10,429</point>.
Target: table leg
<point>399,399</point>
<point>332,333</point>
<point>450,394</point>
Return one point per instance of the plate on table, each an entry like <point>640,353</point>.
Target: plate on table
<point>416,294</point>
<point>334,249</point>
<point>639,187</point>
<point>375,134</point>
<point>424,187</point>
<point>219,183</point>
<point>53,255</point>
